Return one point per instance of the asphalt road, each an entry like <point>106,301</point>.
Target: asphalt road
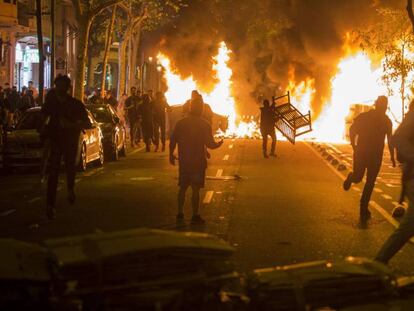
<point>276,211</point>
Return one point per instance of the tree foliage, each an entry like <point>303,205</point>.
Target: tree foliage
<point>392,37</point>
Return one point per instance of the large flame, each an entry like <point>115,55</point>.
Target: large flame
<point>358,81</point>
<point>220,99</point>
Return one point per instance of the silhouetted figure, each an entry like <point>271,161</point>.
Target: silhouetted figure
<point>110,99</point>
<point>160,106</point>
<point>95,98</point>
<point>403,142</point>
<point>187,104</point>
<point>145,110</point>
<point>27,100</point>
<point>193,135</point>
<point>367,134</point>
<point>267,127</point>
<point>66,117</point>
<point>131,108</point>
<point>207,111</point>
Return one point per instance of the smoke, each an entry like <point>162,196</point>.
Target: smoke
<point>273,42</point>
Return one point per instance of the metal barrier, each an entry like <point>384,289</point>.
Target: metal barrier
<point>289,120</point>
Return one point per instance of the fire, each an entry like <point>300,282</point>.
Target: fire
<point>220,98</point>
<point>357,81</point>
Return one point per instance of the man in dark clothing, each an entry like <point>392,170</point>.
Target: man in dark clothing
<point>192,135</point>
<point>367,134</point>
<point>145,111</point>
<point>131,108</point>
<point>207,111</point>
<point>66,117</point>
<point>27,100</point>
<point>110,99</point>
<point>267,127</point>
<point>403,142</point>
<point>96,98</point>
<point>160,106</point>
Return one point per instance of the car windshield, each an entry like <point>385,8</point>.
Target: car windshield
<point>31,121</point>
<point>101,115</point>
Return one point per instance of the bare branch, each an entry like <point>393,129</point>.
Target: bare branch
<point>102,6</point>
<point>410,12</point>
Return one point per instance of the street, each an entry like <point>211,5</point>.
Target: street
<point>274,211</point>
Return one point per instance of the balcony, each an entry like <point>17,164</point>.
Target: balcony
<point>8,13</point>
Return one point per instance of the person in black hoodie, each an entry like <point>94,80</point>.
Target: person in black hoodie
<point>66,118</point>
<point>267,127</point>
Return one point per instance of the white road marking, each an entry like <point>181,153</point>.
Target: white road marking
<point>34,200</point>
<point>8,212</point>
<point>219,172</point>
<point>395,203</point>
<point>335,149</point>
<point>226,157</point>
<point>208,197</point>
<point>356,189</point>
<point>386,196</point>
<point>378,190</point>
<point>142,178</point>
<point>374,204</point>
<point>392,186</point>
<point>136,150</point>
<point>230,146</point>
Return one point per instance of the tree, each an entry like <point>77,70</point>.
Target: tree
<point>41,53</point>
<point>108,42</point>
<point>392,38</point>
<point>86,10</point>
<point>141,15</point>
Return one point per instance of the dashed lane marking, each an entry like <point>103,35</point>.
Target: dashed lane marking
<point>219,172</point>
<point>386,196</point>
<point>231,146</point>
<point>356,189</point>
<point>8,212</point>
<point>374,204</point>
<point>136,150</point>
<point>34,200</point>
<point>392,186</point>
<point>226,157</point>
<point>208,197</point>
<point>378,190</point>
<point>335,149</point>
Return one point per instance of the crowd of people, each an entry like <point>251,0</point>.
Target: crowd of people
<point>13,102</point>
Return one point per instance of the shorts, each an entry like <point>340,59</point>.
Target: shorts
<point>186,179</point>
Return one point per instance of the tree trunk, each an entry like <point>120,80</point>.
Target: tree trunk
<point>41,54</point>
<point>403,77</point>
<point>108,42</point>
<point>83,38</point>
<point>122,62</point>
<point>133,58</point>
<point>53,43</point>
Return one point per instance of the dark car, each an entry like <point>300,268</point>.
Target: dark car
<point>114,134</point>
<point>25,147</point>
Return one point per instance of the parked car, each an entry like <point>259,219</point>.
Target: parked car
<point>114,133</point>
<point>24,146</point>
